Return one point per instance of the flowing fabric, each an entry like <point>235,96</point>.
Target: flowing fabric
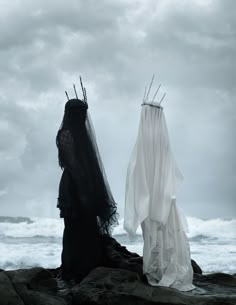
<point>84,189</point>
<point>85,199</point>
<point>151,183</point>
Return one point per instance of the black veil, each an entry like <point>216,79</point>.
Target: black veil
<point>78,154</point>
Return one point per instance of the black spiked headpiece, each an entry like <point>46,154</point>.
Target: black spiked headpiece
<point>76,102</point>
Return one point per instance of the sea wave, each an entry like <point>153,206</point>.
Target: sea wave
<point>35,227</point>
<point>214,228</point>
<point>27,242</point>
<point>199,229</point>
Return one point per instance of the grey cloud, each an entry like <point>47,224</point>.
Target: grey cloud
<point>117,46</point>
<point>198,42</point>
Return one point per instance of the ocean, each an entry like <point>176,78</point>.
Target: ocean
<point>29,242</point>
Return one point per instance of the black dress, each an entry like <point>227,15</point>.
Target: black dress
<point>82,245</point>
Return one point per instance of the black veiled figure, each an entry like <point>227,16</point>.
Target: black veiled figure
<point>85,199</point>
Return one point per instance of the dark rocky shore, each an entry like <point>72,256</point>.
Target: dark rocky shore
<point>120,281</point>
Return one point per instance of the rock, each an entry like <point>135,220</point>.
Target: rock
<point>196,268</point>
<point>222,279</point>
<point>118,287</point>
<point>118,256</point>
<point>55,271</point>
<point>8,294</point>
<point>104,285</point>
<point>35,286</point>
<point>119,282</point>
<point>217,283</point>
<point>114,286</point>
<point>35,278</point>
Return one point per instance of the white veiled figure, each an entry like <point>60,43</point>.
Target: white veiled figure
<point>151,202</point>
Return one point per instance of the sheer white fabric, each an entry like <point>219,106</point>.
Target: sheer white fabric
<point>151,182</point>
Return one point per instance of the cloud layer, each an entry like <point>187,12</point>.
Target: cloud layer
<point>117,46</point>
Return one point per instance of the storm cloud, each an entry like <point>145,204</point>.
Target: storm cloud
<point>116,46</point>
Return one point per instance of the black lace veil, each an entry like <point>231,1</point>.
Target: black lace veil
<point>78,153</point>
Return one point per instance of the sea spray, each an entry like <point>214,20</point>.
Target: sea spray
<point>27,242</point>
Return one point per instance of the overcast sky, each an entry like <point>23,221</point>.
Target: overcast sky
<point>116,46</point>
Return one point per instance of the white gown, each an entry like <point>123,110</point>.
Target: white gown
<point>151,202</point>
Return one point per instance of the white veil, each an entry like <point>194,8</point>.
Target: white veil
<point>152,172</point>
<point>151,184</point>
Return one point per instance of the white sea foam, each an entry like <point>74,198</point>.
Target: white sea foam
<point>214,228</point>
<point>213,257</point>
<point>38,227</point>
<point>37,242</point>
<point>15,256</point>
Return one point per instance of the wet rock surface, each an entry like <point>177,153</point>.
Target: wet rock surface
<point>120,281</point>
